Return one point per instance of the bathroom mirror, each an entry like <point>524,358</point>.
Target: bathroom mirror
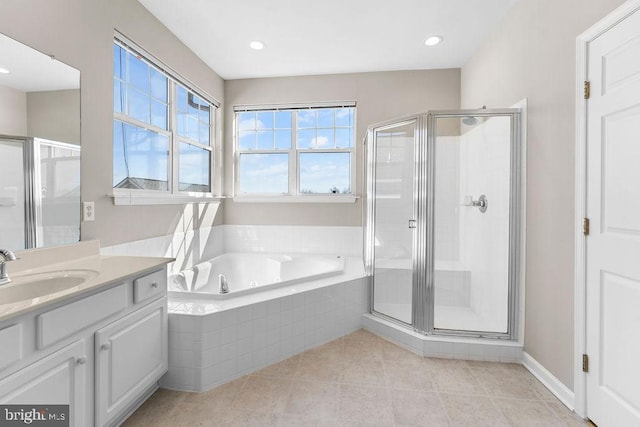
<point>39,149</point>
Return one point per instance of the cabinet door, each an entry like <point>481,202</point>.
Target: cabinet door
<point>131,355</point>
<point>58,379</point>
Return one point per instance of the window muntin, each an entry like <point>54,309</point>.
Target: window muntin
<point>295,151</point>
<point>162,130</point>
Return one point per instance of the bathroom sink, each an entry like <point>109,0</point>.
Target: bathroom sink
<point>30,286</point>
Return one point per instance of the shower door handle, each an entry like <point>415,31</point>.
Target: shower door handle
<point>412,223</point>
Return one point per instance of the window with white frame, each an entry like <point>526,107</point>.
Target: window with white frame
<point>162,129</point>
<point>295,151</point>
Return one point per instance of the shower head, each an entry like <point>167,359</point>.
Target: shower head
<point>469,120</point>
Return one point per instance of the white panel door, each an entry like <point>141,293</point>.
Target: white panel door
<point>131,355</point>
<point>58,379</point>
<point>613,206</point>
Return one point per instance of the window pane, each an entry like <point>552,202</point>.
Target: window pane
<point>138,105</point>
<point>344,117</point>
<point>205,115</point>
<point>182,100</point>
<point>140,158</point>
<point>158,114</point>
<point>265,140</point>
<point>194,105</point>
<point>118,97</point>
<point>283,119</point>
<point>205,134</point>
<point>138,73</point>
<point>325,118</point>
<point>264,173</point>
<point>324,139</point>
<point>265,120</point>
<point>118,62</point>
<point>247,140</point>
<point>325,173</point>
<point>306,138</point>
<point>158,86</point>
<point>344,138</point>
<point>193,172</point>
<point>192,128</point>
<point>306,119</point>
<point>283,139</point>
<point>181,127</point>
<point>246,121</point>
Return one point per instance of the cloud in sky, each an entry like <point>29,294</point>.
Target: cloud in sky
<point>319,141</point>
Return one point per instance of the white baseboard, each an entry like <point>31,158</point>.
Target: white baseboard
<point>554,385</point>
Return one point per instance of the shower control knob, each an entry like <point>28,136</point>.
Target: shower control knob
<point>482,203</point>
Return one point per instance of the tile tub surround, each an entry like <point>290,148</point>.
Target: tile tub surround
<point>363,379</point>
<point>193,246</point>
<point>209,347</point>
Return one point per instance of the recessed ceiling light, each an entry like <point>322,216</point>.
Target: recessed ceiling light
<point>433,40</point>
<point>256,45</point>
<point>4,71</point>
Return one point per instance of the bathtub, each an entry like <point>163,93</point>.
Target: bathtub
<point>248,273</point>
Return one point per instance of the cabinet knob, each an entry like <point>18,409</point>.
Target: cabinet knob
<point>154,285</point>
<point>81,360</point>
<point>105,346</point>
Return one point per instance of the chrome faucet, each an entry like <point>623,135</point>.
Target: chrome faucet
<point>6,255</point>
<point>222,284</point>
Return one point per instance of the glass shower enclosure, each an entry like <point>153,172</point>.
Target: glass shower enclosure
<point>39,193</point>
<point>443,221</point>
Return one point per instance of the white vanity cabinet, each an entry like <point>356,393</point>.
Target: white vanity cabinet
<point>57,379</point>
<point>131,354</point>
<point>102,353</point>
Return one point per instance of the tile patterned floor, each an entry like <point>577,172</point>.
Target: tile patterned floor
<point>360,380</point>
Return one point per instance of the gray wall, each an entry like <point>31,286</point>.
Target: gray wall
<point>13,112</point>
<point>80,33</point>
<point>54,115</point>
<point>380,96</point>
<point>531,54</point>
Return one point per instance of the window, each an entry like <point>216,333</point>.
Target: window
<point>162,129</point>
<point>295,151</point>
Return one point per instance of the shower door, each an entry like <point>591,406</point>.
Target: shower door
<point>443,221</point>
<point>12,193</point>
<point>473,178</point>
<point>392,184</point>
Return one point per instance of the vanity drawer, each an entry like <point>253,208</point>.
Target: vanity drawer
<point>11,345</point>
<point>150,286</point>
<point>64,321</point>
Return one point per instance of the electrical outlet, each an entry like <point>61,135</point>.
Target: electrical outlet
<point>88,211</point>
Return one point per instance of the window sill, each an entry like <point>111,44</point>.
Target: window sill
<point>141,197</point>
<point>296,199</point>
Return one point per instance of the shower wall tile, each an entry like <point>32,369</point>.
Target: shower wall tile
<point>293,239</point>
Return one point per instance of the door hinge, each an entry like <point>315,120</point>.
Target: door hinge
<point>585,363</point>
<point>585,226</point>
<point>587,89</point>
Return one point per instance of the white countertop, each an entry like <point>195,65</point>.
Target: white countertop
<point>108,270</point>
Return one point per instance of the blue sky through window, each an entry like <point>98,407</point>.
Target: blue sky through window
<point>316,134</point>
<point>141,131</point>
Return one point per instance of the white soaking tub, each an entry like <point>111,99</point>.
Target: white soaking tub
<point>247,273</point>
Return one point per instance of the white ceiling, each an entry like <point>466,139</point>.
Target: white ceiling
<point>328,36</point>
<point>31,70</point>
